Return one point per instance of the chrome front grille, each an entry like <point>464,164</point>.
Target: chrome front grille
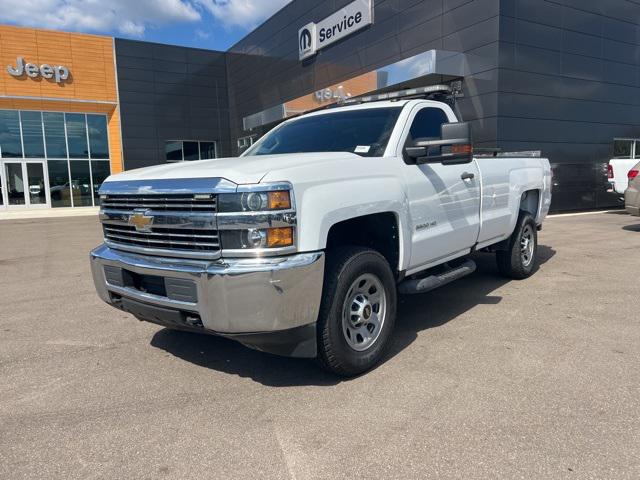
<point>192,240</point>
<point>162,203</point>
<point>172,225</point>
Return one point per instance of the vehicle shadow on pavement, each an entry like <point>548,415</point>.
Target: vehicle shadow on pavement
<point>438,307</point>
<point>632,228</point>
<point>415,314</point>
<point>231,357</point>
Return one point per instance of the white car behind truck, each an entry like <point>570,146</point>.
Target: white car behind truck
<point>626,155</point>
<point>300,246</point>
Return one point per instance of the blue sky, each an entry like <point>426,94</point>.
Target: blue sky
<point>211,24</point>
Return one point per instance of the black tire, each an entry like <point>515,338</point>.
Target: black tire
<point>511,262</point>
<point>345,265</point>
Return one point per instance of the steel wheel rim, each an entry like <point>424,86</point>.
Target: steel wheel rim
<point>364,312</point>
<point>527,245</point>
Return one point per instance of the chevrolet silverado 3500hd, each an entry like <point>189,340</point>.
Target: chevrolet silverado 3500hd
<point>300,246</point>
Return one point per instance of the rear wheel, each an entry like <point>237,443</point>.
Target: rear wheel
<point>358,311</point>
<point>520,259</point>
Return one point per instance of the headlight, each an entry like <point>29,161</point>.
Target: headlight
<point>254,201</point>
<point>257,219</point>
<point>257,238</point>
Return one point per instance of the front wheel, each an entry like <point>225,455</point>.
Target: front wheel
<point>520,259</point>
<point>358,311</point>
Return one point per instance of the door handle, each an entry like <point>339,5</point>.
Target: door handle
<point>467,176</point>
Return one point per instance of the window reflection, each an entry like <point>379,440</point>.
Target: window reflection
<point>98,138</point>
<point>15,183</point>
<point>77,135</point>
<point>81,184</point>
<point>179,150</point>
<point>191,151</point>
<point>207,150</point>
<point>173,151</point>
<point>32,134</point>
<point>100,170</point>
<point>65,141</point>
<point>35,179</point>
<point>54,134</point>
<point>59,183</point>
<point>10,146</point>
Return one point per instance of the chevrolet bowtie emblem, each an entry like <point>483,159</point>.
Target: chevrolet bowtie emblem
<point>141,221</point>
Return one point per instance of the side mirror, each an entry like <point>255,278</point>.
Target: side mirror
<point>454,146</point>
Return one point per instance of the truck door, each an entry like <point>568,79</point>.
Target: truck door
<point>443,200</point>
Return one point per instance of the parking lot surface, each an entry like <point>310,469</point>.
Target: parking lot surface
<point>487,378</point>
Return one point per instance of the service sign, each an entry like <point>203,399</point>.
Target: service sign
<point>316,36</point>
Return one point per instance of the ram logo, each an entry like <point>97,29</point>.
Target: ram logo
<point>307,41</point>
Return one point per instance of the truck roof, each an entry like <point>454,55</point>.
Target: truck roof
<point>370,105</point>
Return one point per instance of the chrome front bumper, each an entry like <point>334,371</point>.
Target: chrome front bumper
<point>246,299</point>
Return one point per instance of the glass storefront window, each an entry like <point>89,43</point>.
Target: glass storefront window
<point>186,150</point>
<point>81,184</point>
<point>98,138</point>
<point>191,150</point>
<point>173,151</point>
<point>77,135</point>
<point>59,183</point>
<point>100,170</point>
<point>54,134</point>
<point>10,145</point>
<point>32,134</point>
<point>72,147</point>
<point>207,150</point>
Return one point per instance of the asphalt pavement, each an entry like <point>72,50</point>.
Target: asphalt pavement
<point>487,378</point>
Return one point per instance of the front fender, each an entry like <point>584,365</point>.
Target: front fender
<point>322,205</point>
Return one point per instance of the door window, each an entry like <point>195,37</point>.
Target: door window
<point>15,183</point>
<point>35,179</point>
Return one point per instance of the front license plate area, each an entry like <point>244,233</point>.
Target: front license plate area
<point>145,283</point>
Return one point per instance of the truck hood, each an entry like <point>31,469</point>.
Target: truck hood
<point>239,170</point>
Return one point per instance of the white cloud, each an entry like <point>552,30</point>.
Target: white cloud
<point>128,17</point>
<point>246,14</point>
<point>202,35</point>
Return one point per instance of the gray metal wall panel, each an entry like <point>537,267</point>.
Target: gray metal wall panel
<point>170,93</point>
<point>569,83</point>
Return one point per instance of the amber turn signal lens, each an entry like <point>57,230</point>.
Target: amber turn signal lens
<point>280,237</point>
<point>462,149</point>
<point>279,200</point>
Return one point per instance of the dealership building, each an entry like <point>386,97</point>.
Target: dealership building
<point>559,76</point>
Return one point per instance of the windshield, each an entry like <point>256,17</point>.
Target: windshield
<point>364,132</point>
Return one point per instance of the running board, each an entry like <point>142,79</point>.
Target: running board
<point>422,285</point>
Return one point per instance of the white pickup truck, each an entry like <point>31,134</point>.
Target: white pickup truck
<point>618,174</point>
<point>300,246</point>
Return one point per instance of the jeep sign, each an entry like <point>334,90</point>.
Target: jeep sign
<point>58,73</point>
<point>314,37</point>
